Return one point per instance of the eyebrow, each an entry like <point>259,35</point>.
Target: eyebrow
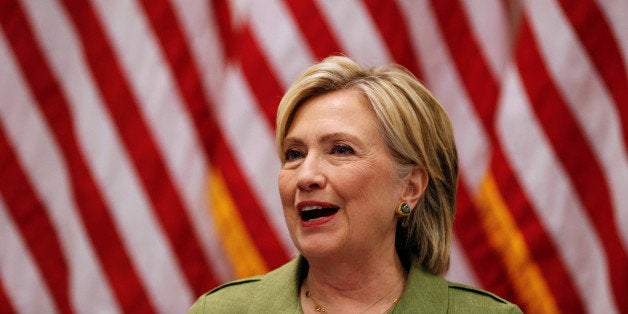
<point>325,138</point>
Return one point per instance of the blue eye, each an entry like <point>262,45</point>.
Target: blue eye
<point>292,154</point>
<point>342,150</point>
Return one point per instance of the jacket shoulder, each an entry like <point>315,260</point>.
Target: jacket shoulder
<point>242,284</point>
<point>467,299</point>
<point>274,292</point>
<point>226,298</point>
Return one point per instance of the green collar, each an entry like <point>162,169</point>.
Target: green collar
<point>424,292</point>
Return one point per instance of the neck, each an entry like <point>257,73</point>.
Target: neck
<point>372,284</point>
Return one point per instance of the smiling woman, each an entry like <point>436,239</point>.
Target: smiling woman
<point>368,185</point>
<point>344,164</point>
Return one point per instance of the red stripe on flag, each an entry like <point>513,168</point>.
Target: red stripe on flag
<point>315,29</point>
<point>476,245</point>
<point>94,213</point>
<point>140,145</point>
<point>174,46</point>
<point>267,91</point>
<point>245,50</point>
<point>596,37</point>
<point>483,90</point>
<point>470,62</point>
<point>224,23</point>
<point>264,236</point>
<point>5,303</point>
<point>394,30</point>
<point>257,225</point>
<point>27,211</point>
<point>218,152</point>
<point>540,244</point>
<point>576,156</point>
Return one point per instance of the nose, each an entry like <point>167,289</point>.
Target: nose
<point>311,175</point>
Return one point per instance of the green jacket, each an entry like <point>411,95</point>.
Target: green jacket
<point>278,292</point>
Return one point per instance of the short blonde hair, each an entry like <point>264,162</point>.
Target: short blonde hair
<point>416,130</point>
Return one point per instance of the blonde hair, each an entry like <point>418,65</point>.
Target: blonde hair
<point>416,130</point>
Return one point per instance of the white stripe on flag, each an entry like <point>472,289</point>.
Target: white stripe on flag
<point>615,12</point>
<point>253,146</point>
<point>351,22</point>
<point>280,40</point>
<point>159,99</point>
<point>160,104</point>
<point>492,32</point>
<point>20,276</point>
<point>442,78</point>
<point>556,203</point>
<point>588,99</point>
<point>111,167</point>
<point>200,30</point>
<point>461,270</point>
<point>47,172</point>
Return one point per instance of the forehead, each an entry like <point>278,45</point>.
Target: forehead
<point>344,109</point>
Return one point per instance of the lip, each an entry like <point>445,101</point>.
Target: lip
<point>316,222</point>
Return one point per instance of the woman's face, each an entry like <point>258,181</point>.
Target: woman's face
<point>338,184</point>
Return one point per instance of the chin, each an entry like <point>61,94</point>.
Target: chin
<point>317,254</point>
<point>317,246</point>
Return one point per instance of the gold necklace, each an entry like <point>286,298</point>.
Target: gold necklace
<point>321,309</point>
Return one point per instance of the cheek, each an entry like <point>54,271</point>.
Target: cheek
<point>373,186</point>
<point>369,178</point>
<point>287,188</point>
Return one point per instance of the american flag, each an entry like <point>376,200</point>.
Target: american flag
<point>137,160</point>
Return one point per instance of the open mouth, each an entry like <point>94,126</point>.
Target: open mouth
<point>316,212</point>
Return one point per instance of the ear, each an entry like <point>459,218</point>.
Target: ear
<point>416,183</point>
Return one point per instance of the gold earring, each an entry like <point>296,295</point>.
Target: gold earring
<point>403,209</point>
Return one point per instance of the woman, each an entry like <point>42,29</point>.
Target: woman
<point>368,185</point>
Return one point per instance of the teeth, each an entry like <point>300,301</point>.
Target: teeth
<point>314,212</point>
<point>308,208</point>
